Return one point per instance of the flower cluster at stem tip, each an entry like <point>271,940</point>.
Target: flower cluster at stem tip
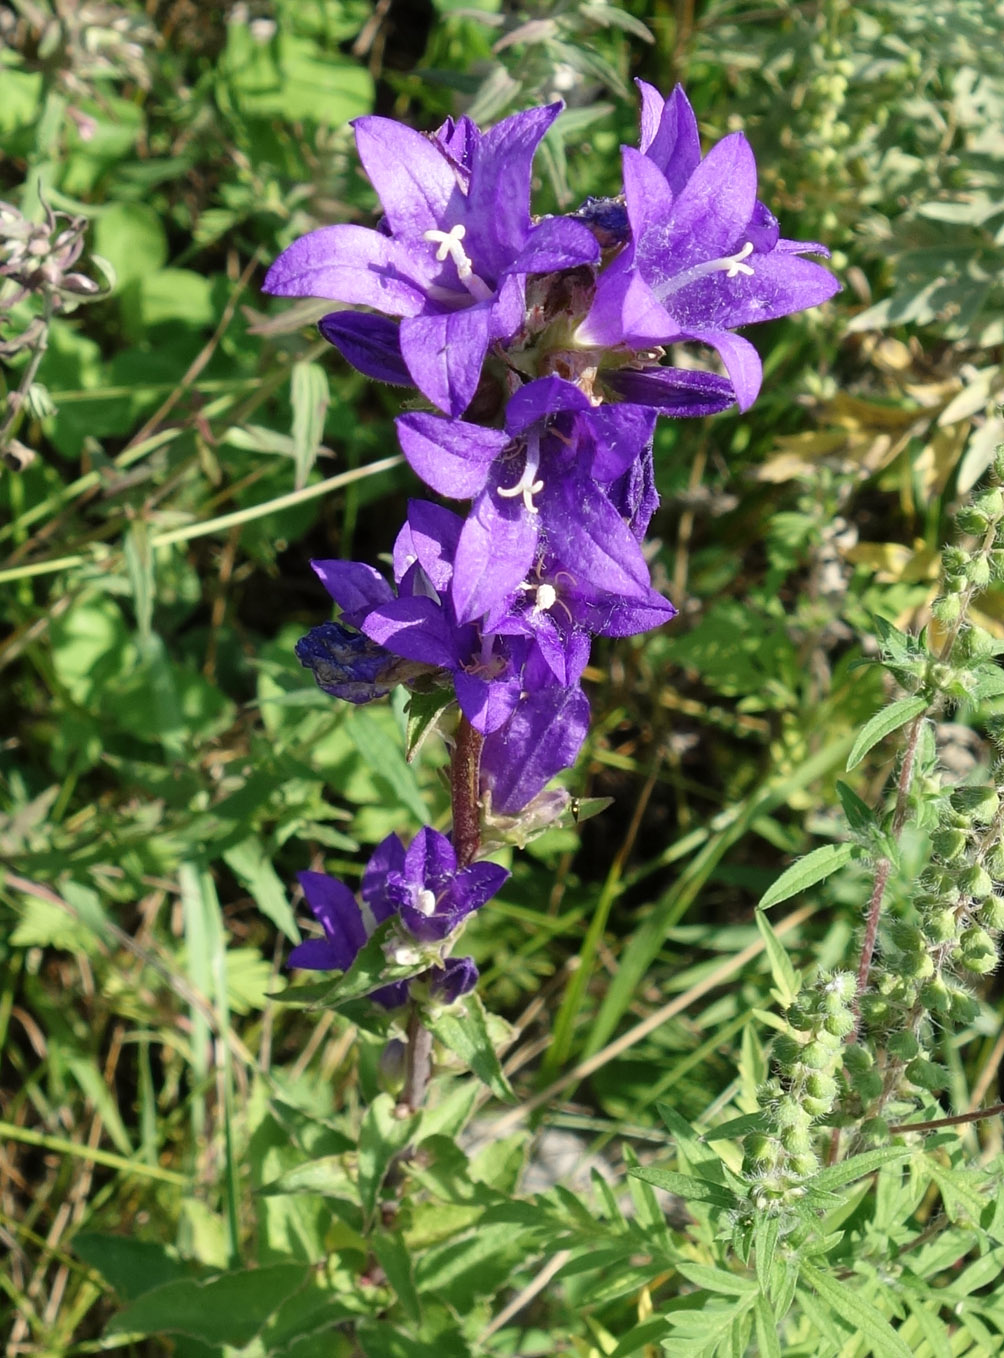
<point>539,344</point>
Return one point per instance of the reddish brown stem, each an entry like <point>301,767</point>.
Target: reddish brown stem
<point>955,1121</point>
<point>465,767</point>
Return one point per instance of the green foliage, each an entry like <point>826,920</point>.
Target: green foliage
<point>205,1158</point>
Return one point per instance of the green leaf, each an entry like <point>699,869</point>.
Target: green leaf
<point>131,237</point>
<point>736,1128</point>
<point>883,724</point>
<point>463,1027</point>
<point>835,1176</point>
<point>685,1186</point>
<point>860,816</point>
<point>249,864</point>
<point>813,868</point>
<point>132,1266</point>
<point>423,710</point>
<point>395,1258</point>
<point>229,1309</point>
<point>716,1279</point>
<point>766,1328</point>
<point>870,1324</point>
<point>370,970</point>
<point>309,396</point>
<point>785,979</point>
<point>382,1135</point>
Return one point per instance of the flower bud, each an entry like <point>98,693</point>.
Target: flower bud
<point>976,882</point>
<point>947,608</point>
<point>978,951</point>
<point>815,1056</point>
<point>857,1058</point>
<point>786,1051</point>
<point>992,912</point>
<point>963,1007</point>
<point>796,1140</point>
<point>970,520</point>
<point>940,925</point>
<point>980,572</point>
<point>819,1085</point>
<point>817,1107</point>
<point>990,503</point>
<point>907,936</point>
<point>948,843</point>
<point>981,803</point>
<point>761,1150</point>
<point>839,1024</point>
<point>799,1016</point>
<point>789,1113</point>
<point>804,1165</point>
<point>934,995</point>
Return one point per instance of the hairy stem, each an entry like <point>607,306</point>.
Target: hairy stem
<point>465,767</point>
<point>418,1062</point>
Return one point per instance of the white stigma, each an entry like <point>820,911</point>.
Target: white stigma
<point>527,485</point>
<point>425,902</point>
<point>404,956</point>
<point>730,265</point>
<point>547,597</point>
<point>451,248</point>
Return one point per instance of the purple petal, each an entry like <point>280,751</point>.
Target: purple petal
<point>672,391</point>
<point>742,362</point>
<point>351,264</point>
<point>707,218</point>
<point>457,977</point>
<point>557,243</point>
<point>387,857</point>
<point>675,144</point>
<point>317,954</point>
<point>625,309</point>
<point>478,883</point>
<point>428,857</point>
<point>498,201</point>
<point>460,139</point>
<point>335,908</point>
<point>494,554</point>
<point>346,664</point>
<point>652,104</point>
<point>415,182</point>
<point>369,343</point>
<point>537,400</point>
<point>649,198</point>
<point>778,285</point>
<point>621,433</point>
<point>429,536</point>
<point>444,354</point>
<point>542,737</point>
<point>450,456</point>
<point>486,703</point>
<point>414,628</point>
<point>590,539</point>
<point>353,585</point>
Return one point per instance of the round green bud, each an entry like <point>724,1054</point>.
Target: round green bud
<point>980,574</point>
<point>994,862</point>
<point>976,882</point>
<point>940,925</point>
<point>804,1165</point>
<point>970,520</point>
<point>954,560</point>
<point>826,1037</point>
<point>997,563</point>
<point>789,1113</point>
<point>840,1024</point>
<point>992,912</point>
<point>904,1046</point>
<point>964,1008</point>
<point>948,843</point>
<point>976,643</point>
<point>800,1016</point>
<point>907,937</point>
<point>815,1056</point>
<point>990,503</point>
<point>796,1140</point>
<point>947,608</point>
<point>761,1150</point>
<point>978,951</point>
<point>875,1008</point>
<point>934,995</point>
<point>926,1074</point>
<point>817,1107</point>
<point>819,1085</point>
<point>979,803</point>
<point>786,1051</point>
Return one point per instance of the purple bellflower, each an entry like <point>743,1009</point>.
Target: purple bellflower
<point>539,487</point>
<point>450,258</point>
<point>425,891</point>
<point>704,256</point>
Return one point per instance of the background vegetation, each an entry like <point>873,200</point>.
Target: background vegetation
<point>183,448</point>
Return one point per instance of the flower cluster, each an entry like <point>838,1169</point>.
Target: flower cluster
<point>539,348</point>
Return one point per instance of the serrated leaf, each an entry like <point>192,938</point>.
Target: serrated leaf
<point>781,968</point>
<point>464,1029</point>
<point>870,1324</point>
<point>254,870</point>
<point>717,1279</point>
<point>883,724</point>
<point>835,1176</point>
<point>685,1186</point>
<point>860,816</point>
<point>814,867</point>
